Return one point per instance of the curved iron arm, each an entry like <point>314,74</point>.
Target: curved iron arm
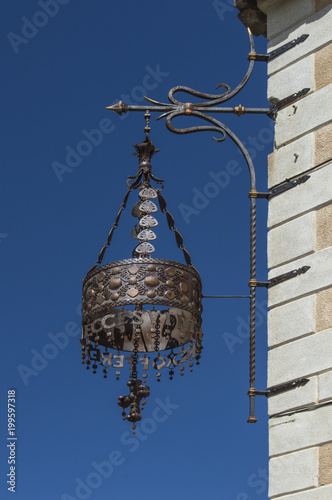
<point>213,99</point>
<point>217,127</point>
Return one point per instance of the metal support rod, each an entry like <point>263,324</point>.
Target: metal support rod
<point>121,107</point>
<point>226,296</point>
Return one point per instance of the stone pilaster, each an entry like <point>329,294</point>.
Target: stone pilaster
<point>300,234</point>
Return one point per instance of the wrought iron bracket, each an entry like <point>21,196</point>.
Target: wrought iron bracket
<point>286,101</point>
<point>278,389</point>
<point>277,52</point>
<point>279,279</point>
<point>280,189</point>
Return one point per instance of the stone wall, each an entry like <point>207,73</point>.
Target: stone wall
<point>300,234</point>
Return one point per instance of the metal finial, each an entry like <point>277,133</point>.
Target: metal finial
<point>147,129</point>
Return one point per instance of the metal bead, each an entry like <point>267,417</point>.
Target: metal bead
<point>115,283</point>
<point>151,281</point>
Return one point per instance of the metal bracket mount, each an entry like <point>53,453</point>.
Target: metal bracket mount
<point>280,189</point>
<point>277,389</point>
<point>279,279</point>
<point>277,52</point>
<point>286,101</point>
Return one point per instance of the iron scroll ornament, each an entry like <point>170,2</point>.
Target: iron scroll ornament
<point>176,109</point>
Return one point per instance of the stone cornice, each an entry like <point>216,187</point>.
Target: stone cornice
<point>251,16</point>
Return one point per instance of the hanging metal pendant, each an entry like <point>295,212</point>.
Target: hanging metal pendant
<point>142,306</point>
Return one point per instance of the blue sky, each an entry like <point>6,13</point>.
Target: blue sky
<point>57,79</point>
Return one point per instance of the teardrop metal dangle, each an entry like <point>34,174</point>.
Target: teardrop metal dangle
<point>142,304</point>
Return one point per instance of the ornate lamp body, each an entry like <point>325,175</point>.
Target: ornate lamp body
<point>142,305</point>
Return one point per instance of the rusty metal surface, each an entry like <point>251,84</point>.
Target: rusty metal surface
<point>137,282</point>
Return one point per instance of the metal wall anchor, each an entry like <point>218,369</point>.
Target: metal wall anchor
<point>277,389</point>
<point>280,189</point>
<point>286,101</point>
<point>277,52</point>
<point>279,279</point>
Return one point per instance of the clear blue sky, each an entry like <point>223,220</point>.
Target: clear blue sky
<point>57,79</point>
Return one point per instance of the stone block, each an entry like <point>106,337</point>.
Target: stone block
<point>292,320</point>
<point>324,227</point>
<point>323,144</point>
<point>293,472</point>
<point>324,310</point>
<point>325,461</point>
<point>300,430</point>
<point>317,26</point>
<point>323,66</point>
<point>323,493</point>
<point>293,239</point>
<point>304,116</point>
<point>318,277</point>
<point>302,358</point>
<point>296,77</point>
<point>284,14</point>
<point>325,387</point>
<point>297,398</point>
<point>263,5</point>
<point>292,160</point>
<point>312,194</point>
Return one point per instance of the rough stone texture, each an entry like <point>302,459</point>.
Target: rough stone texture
<point>318,27</point>
<point>263,5</point>
<point>297,398</point>
<point>310,112</point>
<point>291,160</point>
<point>294,472</point>
<point>295,238</point>
<point>324,310</point>
<point>323,493</point>
<point>300,430</point>
<point>321,4</point>
<point>325,461</point>
<point>251,16</point>
<point>313,194</point>
<point>296,77</point>
<point>323,66</point>
<point>324,227</point>
<point>318,277</point>
<point>301,358</point>
<point>325,388</point>
<point>302,312</point>
<point>284,14</point>
<point>323,144</point>
<point>300,222</point>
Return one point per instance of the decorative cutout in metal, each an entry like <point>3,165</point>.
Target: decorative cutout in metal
<point>142,306</point>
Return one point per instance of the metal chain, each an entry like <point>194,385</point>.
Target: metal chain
<point>134,356</point>
<point>170,222</point>
<point>114,226</point>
